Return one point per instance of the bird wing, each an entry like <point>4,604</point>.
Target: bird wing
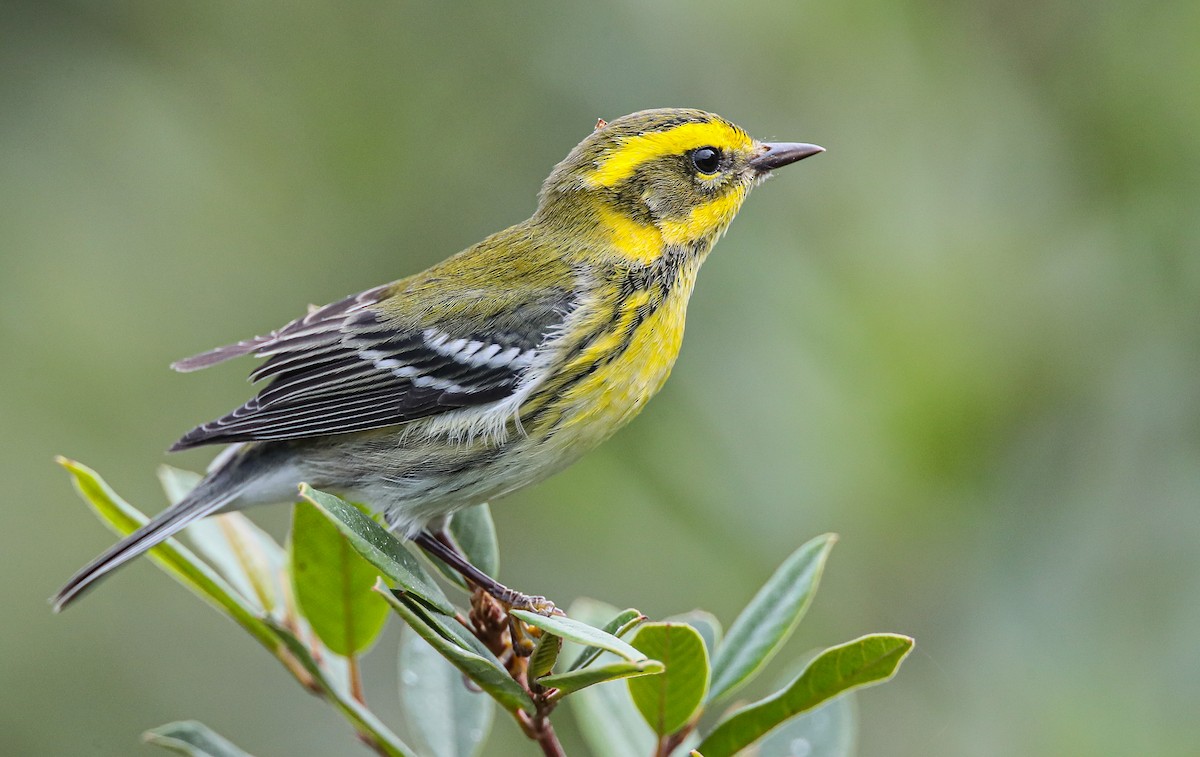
<point>354,365</point>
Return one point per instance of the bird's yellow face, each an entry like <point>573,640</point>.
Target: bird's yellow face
<point>661,179</point>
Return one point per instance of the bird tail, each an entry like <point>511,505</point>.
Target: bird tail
<point>200,502</point>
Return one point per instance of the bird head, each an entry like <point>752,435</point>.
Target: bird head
<point>670,177</point>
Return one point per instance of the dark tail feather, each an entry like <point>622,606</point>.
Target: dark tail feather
<point>169,522</point>
<point>220,354</point>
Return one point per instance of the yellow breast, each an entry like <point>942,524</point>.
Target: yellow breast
<point>640,352</point>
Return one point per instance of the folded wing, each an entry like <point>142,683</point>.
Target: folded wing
<point>350,367</point>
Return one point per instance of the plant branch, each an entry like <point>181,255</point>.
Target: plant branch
<point>539,729</point>
<point>356,684</point>
<point>548,741</point>
<point>668,743</point>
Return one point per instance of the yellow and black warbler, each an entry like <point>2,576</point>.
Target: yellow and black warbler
<point>495,368</point>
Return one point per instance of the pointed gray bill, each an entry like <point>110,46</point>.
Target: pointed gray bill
<point>777,154</point>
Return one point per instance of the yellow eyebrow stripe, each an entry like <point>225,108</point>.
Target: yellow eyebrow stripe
<point>634,151</point>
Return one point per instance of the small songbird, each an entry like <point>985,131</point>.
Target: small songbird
<point>495,368</point>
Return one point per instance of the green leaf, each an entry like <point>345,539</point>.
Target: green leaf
<point>475,534</point>
<point>545,654</point>
<point>192,738</point>
<point>580,633</point>
<point>250,559</point>
<point>333,584</point>
<point>369,727</point>
<point>608,721</point>
<point>445,717</point>
<point>170,555</point>
<point>176,484</point>
<point>476,663</point>
<point>245,555</point>
<point>182,565</point>
<point>668,701</point>
<point>704,622</point>
<point>380,548</point>
<point>862,662</point>
<point>574,680</point>
<point>826,731</point>
<point>766,623</point>
<point>621,624</point>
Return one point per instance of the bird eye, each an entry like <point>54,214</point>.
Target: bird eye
<point>706,159</point>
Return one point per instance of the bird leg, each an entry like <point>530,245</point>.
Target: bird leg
<point>521,635</point>
<point>440,546</point>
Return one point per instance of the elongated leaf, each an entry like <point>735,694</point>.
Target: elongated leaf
<point>192,738</point>
<point>608,721</point>
<point>244,554</point>
<point>448,628</point>
<point>207,537</point>
<point>478,665</point>
<point>369,727</point>
<point>574,680</point>
<point>333,584</point>
<point>475,534</point>
<point>380,548</point>
<point>829,730</point>
<point>862,662</point>
<point>581,633</point>
<point>445,717</point>
<point>591,612</point>
<point>621,624</point>
<point>171,556</point>
<point>766,623</point>
<point>256,565</point>
<point>182,565</point>
<point>176,484</point>
<point>669,700</point>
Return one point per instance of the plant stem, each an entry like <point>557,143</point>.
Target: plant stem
<point>667,743</point>
<point>538,728</point>
<point>356,684</point>
<point>548,741</point>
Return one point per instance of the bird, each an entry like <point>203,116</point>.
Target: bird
<point>495,368</point>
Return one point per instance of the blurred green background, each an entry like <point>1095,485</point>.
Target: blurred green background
<point>965,338</point>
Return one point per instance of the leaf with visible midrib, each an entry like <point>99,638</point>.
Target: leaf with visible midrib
<point>767,622</point>
<point>577,680</point>
<point>170,555</point>
<point>580,633</point>
<point>333,584</point>
<point>621,624</point>
<point>607,718</point>
<point>669,700</point>
<point>245,554</point>
<point>862,662</point>
<point>198,577</point>
<point>462,649</point>
<point>380,548</point>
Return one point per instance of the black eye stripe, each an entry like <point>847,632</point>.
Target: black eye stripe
<point>706,159</point>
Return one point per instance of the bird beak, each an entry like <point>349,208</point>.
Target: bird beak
<point>773,155</point>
